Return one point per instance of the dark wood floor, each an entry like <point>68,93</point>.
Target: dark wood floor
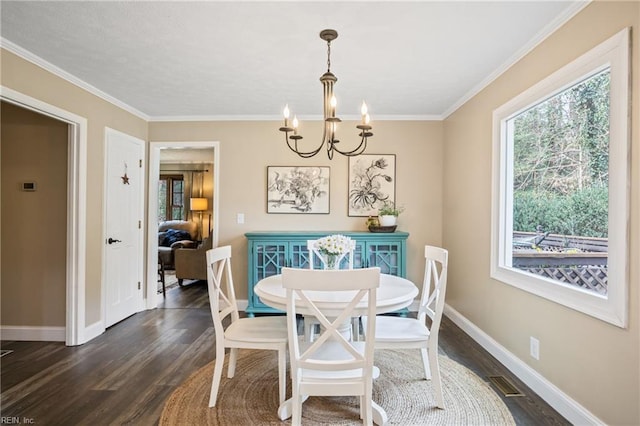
<point>125,375</point>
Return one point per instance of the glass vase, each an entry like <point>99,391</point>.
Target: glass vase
<point>332,261</point>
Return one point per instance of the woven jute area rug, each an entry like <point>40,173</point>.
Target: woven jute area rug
<point>251,397</point>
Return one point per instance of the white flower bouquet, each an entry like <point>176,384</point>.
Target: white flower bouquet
<point>332,249</point>
<point>333,245</point>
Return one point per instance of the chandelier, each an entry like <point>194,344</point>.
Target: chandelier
<point>330,120</point>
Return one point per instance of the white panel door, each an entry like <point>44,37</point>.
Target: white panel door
<point>123,261</point>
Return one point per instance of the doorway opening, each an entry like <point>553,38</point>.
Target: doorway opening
<point>198,165</point>
<point>75,331</point>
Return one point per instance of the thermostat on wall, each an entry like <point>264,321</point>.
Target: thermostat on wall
<point>28,186</point>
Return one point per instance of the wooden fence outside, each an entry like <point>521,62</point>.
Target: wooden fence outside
<point>578,261</point>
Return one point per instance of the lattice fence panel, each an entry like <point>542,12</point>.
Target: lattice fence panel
<point>588,277</point>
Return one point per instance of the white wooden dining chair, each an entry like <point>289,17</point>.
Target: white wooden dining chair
<point>332,364</point>
<point>269,333</point>
<point>394,332</point>
<point>318,261</point>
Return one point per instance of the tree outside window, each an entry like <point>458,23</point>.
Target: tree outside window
<point>560,185</point>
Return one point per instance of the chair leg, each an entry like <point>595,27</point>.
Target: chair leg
<point>437,381</point>
<point>282,374</point>
<point>296,407</point>
<point>425,363</point>
<point>161,274</point>
<point>233,357</point>
<point>217,376</point>
<point>366,407</point>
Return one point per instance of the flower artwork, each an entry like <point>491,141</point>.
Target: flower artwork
<point>371,183</point>
<point>297,189</point>
<point>333,248</point>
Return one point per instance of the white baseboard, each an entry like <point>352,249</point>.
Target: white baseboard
<point>31,333</point>
<point>242,304</point>
<point>555,397</point>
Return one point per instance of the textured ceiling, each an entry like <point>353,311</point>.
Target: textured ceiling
<point>245,60</point>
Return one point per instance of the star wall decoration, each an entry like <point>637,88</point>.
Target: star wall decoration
<point>125,178</point>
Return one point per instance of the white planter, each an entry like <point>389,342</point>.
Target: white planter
<point>387,220</point>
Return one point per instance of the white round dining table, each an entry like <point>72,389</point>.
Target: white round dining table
<point>394,293</point>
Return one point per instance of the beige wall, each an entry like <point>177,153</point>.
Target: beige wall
<point>595,363</point>
<point>247,148</point>
<point>28,79</point>
<point>33,278</point>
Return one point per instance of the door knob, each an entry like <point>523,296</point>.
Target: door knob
<point>111,241</point>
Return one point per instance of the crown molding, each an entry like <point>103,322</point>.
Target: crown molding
<point>302,117</point>
<point>541,36</point>
<point>59,72</point>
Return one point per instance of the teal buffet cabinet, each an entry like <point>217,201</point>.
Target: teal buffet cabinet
<point>269,252</point>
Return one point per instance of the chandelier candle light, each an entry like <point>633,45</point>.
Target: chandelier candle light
<point>333,248</point>
<point>330,120</point>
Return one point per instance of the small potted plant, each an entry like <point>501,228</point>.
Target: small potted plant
<point>388,213</point>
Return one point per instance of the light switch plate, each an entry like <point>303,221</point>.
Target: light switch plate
<point>534,348</point>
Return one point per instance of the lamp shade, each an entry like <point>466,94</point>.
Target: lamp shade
<point>198,204</point>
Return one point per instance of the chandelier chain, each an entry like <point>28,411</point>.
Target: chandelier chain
<point>328,56</point>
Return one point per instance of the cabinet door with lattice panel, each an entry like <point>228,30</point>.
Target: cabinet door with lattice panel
<point>386,256</point>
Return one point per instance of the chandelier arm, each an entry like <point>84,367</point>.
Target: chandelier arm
<point>295,149</point>
<point>330,149</point>
<point>356,151</point>
<point>325,138</point>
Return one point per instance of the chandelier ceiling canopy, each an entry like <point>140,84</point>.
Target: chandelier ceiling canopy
<point>328,79</point>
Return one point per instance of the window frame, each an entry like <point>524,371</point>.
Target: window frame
<point>612,308</point>
<point>171,178</point>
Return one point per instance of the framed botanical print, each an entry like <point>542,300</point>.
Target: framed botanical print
<point>372,181</point>
<point>298,189</point>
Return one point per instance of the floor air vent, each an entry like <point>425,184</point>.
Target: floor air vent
<point>505,386</point>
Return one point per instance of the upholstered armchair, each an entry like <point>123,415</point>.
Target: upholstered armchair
<point>191,263</point>
<point>172,235</point>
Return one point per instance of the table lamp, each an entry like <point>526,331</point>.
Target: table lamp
<point>199,205</point>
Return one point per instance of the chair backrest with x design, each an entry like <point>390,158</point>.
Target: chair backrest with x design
<point>222,298</point>
<point>346,293</point>
<point>434,287</point>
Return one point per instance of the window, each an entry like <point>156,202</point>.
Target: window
<point>560,175</point>
<point>171,198</point>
